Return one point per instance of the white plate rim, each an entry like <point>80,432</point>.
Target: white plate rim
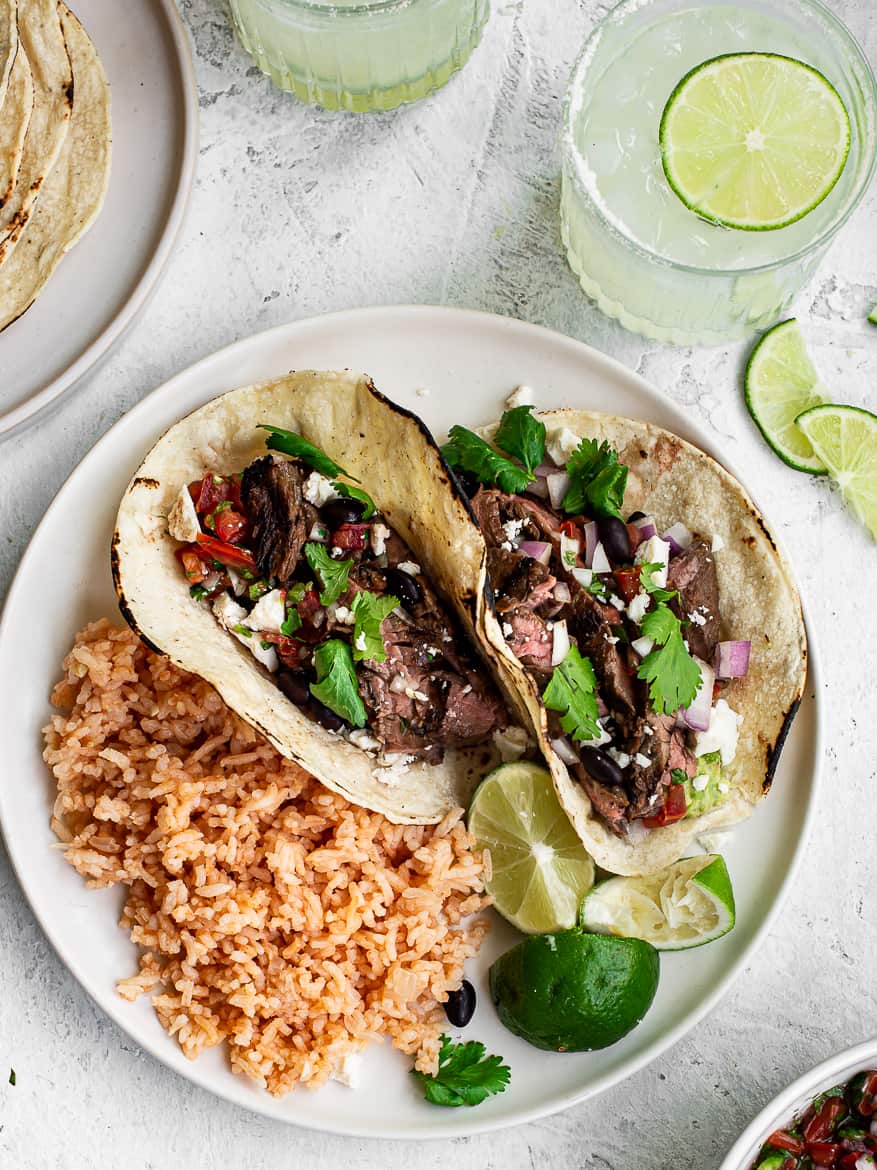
<point>829,1072</point>
<point>26,411</point>
<point>661,1044</point>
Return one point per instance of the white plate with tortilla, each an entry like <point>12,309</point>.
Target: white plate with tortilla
<point>101,283</point>
<point>450,366</point>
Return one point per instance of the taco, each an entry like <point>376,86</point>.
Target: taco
<point>299,545</point>
<point>640,608</point>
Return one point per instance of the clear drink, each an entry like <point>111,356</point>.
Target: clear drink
<point>359,54</point>
<point>637,250</point>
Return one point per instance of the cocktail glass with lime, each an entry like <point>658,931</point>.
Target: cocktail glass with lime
<point>711,152</point>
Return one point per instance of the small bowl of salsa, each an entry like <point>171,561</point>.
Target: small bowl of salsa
<point>826,1120</point>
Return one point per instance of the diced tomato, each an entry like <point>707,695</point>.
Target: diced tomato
<point>214,490</point>
<point>194,565</point>
<point>313,618</point>
<point>571,529</point>
<point>823,1153</point>
<point>351,537</point>
<point>291,651</point>
<point>849,1161</point>
<point>782,1140</point>
<point>635,536</point>
<point>230,525</point>
<point>227,554</point>
<point>675,807</point>
<point>821,1124</point>
<point>627,581</point>
<point>866,1097</point>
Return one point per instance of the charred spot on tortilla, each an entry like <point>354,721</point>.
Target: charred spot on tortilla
<point>141,481</point>
<point>774,753</point>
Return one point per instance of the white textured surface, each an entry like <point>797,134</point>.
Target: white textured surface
<point>455,200</point>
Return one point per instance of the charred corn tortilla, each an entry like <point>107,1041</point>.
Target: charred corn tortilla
<point>74,190</point>
<point>14,120</point>
<point>390,451</point>
<point>674,481</point>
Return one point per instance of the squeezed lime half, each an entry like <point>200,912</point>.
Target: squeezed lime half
<point>845,439</point>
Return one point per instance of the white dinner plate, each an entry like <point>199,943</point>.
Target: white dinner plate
<point>99,287</point>
<point>449,366</point>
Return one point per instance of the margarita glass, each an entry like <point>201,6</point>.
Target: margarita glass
<point>643,256</point>
<point>359,54</point>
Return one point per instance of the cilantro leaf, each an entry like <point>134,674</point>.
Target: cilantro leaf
<point>465,451</point>
<point>12,1076</point>
<point>672,674</point>
<point>647,581</point>
<point>299,448</point>
<point>291,622</point>
<point>597,480</point>
<point>369,612</point>
<point>349,492</point>
<point>333,574</point>
<point>572,691</point>
<point>678,775</point>
<point>465,1075</point>
<point>336,686</point>
<point>522,436</point>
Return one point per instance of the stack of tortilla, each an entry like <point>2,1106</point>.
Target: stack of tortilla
<point>55,138</point>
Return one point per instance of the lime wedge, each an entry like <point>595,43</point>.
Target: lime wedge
<point>541,870</point>
<point>781,382</point>
<point>845,438</point>
<point>685,905</point>
<point>872,316</point>
<point>753,140</point>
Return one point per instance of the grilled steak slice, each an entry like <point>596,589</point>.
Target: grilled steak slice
<point>494,508</point>
<point>651,736</point>
<point>530,640</point>
<point>591,623</point>
<point>471,712</point>
<point>610,802</point>
<point>281,518</point>
<point>693,574</point>
<point>518,580</point>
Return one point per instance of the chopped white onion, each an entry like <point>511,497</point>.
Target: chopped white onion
<point>561,591</point>
<point>583,576</point>
<point>599,561</point>
<point>539,550</point>
<point>564,749</point>
<point>678,537</point>
<point>697,715</point>
<point>592,539</point>
<point>732,659</point>
<point>558,486</point>
<point>569,550</point>
<point>643,646</point>
<point>560,644</point>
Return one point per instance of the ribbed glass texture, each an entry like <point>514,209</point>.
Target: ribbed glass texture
<point>360,56</point>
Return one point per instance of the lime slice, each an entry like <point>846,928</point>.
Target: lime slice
<point>780,382</point>
<point>753,140</point>
<point>541,870</point>
<point>683,906</point>
<point>574,992</point>
<point>845,438</point>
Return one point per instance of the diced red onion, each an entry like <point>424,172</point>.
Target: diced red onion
<point>732,659</point>
<point>697,716</point>
<point>564,749</point>
<point>560,643</point>
<point>873,1127</point>
<point>592,539</point>
<point>561,591</point>
<point>539,550</point>
<point>558,486</point>
<point>539,487</point>
<point>545,469</point>
<point>599,561</point>
<point>645,526</point>
<point>678,537</point>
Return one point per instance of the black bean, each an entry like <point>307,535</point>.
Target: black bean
<point>403,586</point>
<point>615,540</point>
<point>324,716</point>
<point>468,482</point>
<point>602,767</point>
<point>636,516</point>
<point>338,512</point>
<point>294,685</point>
<point>460,1005</point>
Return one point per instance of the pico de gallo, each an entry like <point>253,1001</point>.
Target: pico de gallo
<point>838,1130</point>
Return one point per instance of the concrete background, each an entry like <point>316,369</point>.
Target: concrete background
<point>454,200</point>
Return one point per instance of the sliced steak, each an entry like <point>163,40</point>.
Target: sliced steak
<point>471,713</point>
<point>610,801</point>
<point>280,517</point>
<point>693,574</point>
<point>645,780</point>
<point>494,508</point>
<point>529,639</point>
<point>518,579</point>
<point>591,623</point>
